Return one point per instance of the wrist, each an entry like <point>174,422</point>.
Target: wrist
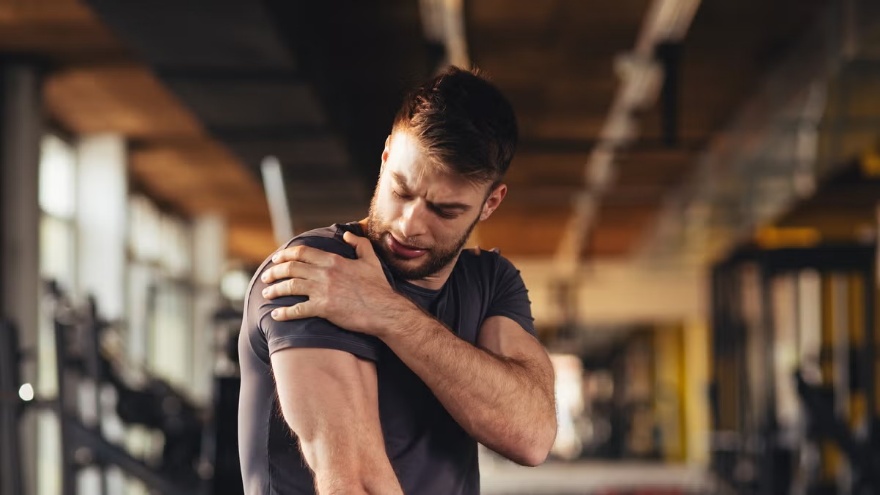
<point>395,315</point>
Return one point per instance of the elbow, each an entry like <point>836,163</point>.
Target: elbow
<point>533,457</point>
<point>538,448</point>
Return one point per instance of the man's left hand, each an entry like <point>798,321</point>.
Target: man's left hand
<point>347,292</point>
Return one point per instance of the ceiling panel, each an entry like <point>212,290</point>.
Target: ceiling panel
<point>119,98</point>
<point>60,31</point>
<point>270,106</point>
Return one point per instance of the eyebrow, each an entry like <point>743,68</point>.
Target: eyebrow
<point>401,182</point>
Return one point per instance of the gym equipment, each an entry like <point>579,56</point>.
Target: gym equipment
<point>794,395</point>
<point>11,407</point>
<point>84,365</point>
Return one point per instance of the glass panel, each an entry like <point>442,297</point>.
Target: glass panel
<point>57,177</point>
<point>57,251</point>
<point>176,246</point>
<point>49,447</point>
<point>171,335</point>
<point>57,172</point>
<point>145,229</point>
<point>140,280</point>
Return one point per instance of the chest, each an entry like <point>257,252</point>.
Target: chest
<point>408,408</point>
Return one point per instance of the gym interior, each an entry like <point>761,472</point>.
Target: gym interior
<point>693,207</point>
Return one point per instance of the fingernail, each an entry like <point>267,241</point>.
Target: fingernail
<point>266,292</point>
<point>264,277</point>
<point>275,257</point>
<point>276,313</point>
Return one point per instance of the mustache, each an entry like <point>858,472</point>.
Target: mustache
<point>377,230</point>
<point>406,241</point>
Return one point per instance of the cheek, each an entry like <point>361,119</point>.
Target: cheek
<point>449,232</point>
<point>386,206</point>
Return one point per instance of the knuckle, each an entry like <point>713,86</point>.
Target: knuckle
<point>301,309</point>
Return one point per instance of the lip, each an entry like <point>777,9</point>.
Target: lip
<point>402,250</point>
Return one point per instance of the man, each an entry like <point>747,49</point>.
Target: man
<point>376,354</point>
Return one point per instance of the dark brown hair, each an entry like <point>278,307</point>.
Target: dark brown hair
<point>463,122</point>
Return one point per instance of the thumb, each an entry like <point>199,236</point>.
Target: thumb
<point>361,245</point>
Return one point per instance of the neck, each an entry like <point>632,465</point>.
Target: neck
<point>436,280</point>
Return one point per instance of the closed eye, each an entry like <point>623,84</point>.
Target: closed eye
<point>400,195</point>
<point>444,213</point>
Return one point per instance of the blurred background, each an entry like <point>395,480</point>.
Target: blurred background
<point>693,207</point>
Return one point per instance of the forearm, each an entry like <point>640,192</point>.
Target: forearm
<point>358,478</point>
<point>505,403</point>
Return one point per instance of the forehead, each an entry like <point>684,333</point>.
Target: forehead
<point>409,164</point>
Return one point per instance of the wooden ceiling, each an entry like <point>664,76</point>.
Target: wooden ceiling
<point>843,210</point>
<point>205,97</point>
<point>556,59</point>
<point>96,85</point>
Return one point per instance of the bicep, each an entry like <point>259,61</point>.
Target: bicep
<point>329,398</point>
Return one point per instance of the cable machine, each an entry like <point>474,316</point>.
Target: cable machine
<point>83,365</point>
<point>794,395</point>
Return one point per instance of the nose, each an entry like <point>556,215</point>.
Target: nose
<point>412,221</point>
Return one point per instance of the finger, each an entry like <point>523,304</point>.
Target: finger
<point>362,246</point>
<point>287,269</point>
<point>303,254</point>
<point>305,309</point>
<point>289,287</point>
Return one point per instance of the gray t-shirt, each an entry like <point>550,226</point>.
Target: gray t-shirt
<point>430,453</point>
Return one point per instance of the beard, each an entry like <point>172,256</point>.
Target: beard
<point>435,258</point>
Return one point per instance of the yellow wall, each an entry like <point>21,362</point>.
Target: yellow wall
<point>696,355</point>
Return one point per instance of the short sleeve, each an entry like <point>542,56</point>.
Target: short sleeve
<point>510,298</point>
<point>310,332</point>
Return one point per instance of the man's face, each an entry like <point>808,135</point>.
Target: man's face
<point>421,215</point>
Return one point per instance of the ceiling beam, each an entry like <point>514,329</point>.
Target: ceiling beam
<point>666,21</point>
<point>586,145</point>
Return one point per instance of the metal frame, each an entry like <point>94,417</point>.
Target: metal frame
<point>82,444</point>
<point>10,412</point>
<point>758,443</point>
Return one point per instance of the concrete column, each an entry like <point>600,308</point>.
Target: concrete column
<point>21,126</point>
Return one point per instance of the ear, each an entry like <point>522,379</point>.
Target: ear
<point>386,150</point>
<point>496,196</point>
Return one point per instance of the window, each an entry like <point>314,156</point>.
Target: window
<point>160,292</point>
<point>57,199</point>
